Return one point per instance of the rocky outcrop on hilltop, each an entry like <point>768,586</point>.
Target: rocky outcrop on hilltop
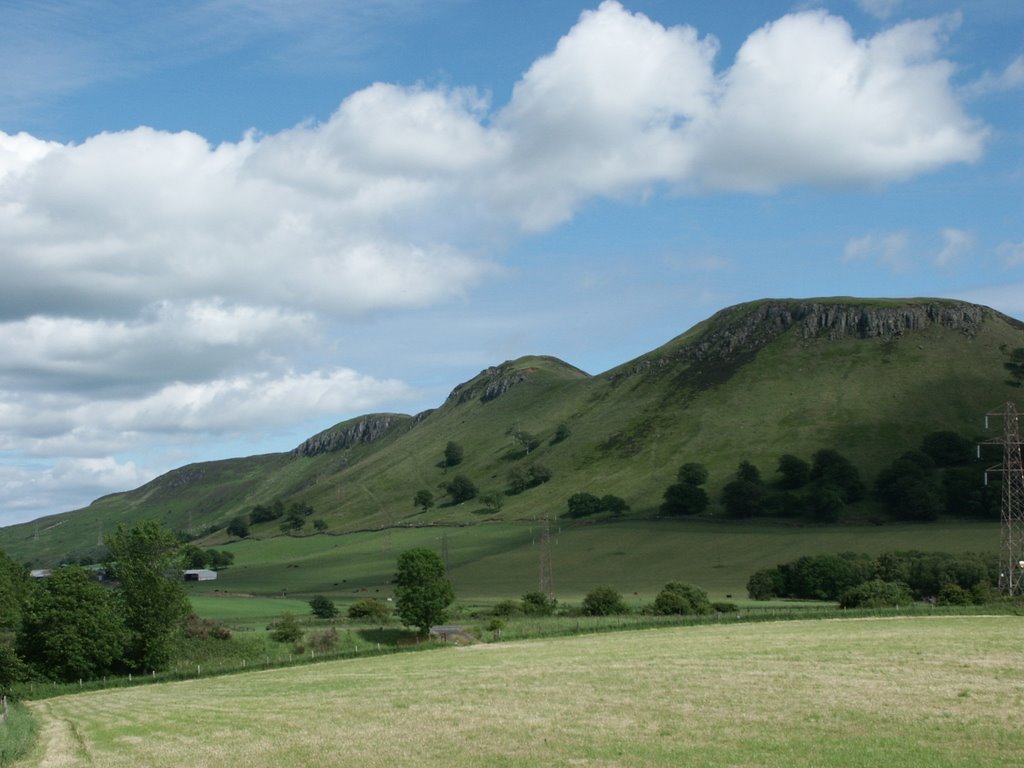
<point>740,331</point>
<point>361,431</point>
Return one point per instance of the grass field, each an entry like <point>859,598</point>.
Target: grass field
<point>895,692</point>
<point>500,560</point>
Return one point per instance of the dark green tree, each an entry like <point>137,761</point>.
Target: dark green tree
<point>493,501</point>
<point>684,499</point>
<point>286,629</point>
<point>14,586</point>
<point>603,601</point>
<point>794,471</point>
<point>562,431</point>
<point>583,504</point>
<point>423,499</point>
<point>146,560</point>
<point>423,591</point>
<point>453,454</point>
<point>614,504</point>
<point>677,598</point>
<point>1015,367</point>
<point>72,627</point>
<point>692,473</point>
<point>460,489</point>
<point>948,449</point>
<point>538,604</point>
<point>829,467</point>
<point>876,594</point>
<point>323,607</point>
<point>320,525</point>
<point>239,527</point>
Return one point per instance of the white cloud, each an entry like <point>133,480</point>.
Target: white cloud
<point>881,9</point>
<point>1012,254</point>
<point>956,242</point>
<point>1011,78</point>
<point>888,249</point>
<point>806,102</point>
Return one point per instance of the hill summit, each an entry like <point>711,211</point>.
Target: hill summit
<point>867,377</point>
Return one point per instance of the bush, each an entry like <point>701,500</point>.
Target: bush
<point>583,505</point>
<point>678,599</point>
<point>324,641</point>
<point>603,601</point>
<point>205,629</point>
<point>460,489</point>
<point>876,594</point>
<point>286,629</point>
<point>371,610</point>
<point>954,594</point>
<point>614,504</point>
<point>724,607</point>
<point>323,607</point>
<point>239,527</point>
<point>453,455</point>
<point>507,608</point>
<point>538,604</point>
<point>684,499</point>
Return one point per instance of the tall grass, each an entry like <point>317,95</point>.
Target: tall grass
<point>17,733</point>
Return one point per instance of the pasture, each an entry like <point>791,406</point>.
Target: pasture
<point>941,691</point>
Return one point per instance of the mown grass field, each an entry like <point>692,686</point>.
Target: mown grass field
<point>927,692</point>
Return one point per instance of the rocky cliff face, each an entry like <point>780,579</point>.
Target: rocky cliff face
<point>490,384</point>
<point>742,330</point>
<point>364,430</point>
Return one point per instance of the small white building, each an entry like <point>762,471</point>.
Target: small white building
<point>200,574</point>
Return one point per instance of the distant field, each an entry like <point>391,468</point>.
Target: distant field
<point>929,692</point>
<point>501,560</point>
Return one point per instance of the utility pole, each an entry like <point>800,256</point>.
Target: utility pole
<point>1011,550</point>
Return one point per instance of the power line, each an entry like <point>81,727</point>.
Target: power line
<point>1011,550</point>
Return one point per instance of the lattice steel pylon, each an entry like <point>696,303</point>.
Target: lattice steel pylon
<point>1011,550</point>
<point>545,582</point>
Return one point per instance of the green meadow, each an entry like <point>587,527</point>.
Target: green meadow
<point>493,561</point>
<point>929,692</point>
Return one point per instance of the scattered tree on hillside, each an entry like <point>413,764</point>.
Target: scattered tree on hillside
<point>909,488</point>
<point>583,504</point>
<point>562,432</point>
<point>746,495</point>
<point>374,611</point>
<point>422,589</point>
<point>685,496</point>
<point>614,504</point>
<point>1015,367</point>
<point>453,455</point>
<point>794,471</point>
<point>146,561</point>
<point>947,449</point>
<point>423,499</point>
<point>523,478</point>
<point>460,489</point>
<point>829,467</point>
<point>320,525</point>
<point>525,440</point>
<point>493,501</point>
<point>603,601</point>
<point>239,527</point>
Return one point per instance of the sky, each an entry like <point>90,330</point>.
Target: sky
<point>227,225</point>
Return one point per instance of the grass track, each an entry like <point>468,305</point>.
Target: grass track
<point>909,692</point>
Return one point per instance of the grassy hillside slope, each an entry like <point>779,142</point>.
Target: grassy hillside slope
<point>868,377</point>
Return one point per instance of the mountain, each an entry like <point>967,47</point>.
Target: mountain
<point>868,377</point>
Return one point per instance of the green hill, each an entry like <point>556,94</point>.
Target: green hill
<point>866,377</point>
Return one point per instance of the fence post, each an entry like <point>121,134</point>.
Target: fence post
<point>3,709</point>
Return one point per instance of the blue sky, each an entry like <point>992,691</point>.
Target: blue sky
<point>226,225</point>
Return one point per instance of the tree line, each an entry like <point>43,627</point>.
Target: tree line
<point>72,625</point>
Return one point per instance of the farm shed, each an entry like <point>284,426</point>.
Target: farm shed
<point>200,574</point>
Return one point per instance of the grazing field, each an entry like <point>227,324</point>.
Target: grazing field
<point>896,692</point>
<point>492,561</point>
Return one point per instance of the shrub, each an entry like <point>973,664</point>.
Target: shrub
<point>954,594</point>
<point>681,599</point>
<point>603,601</point>
<point>538,604</point>
<point>286,629</point>
<point>876,594</point>
<point>452,455</point>
<point>724,607</point>
<point>375,611</point>
<point>204,629</point>
<point>507,608</point>
<point>460,489</point>
<point>583,504</point>
<point>684,499</point>
<point>614,504</point>
<point>239,527</point>
<point>323,607</point>
<point>324,640</point>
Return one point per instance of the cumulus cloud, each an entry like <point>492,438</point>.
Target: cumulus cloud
<point>1010,78</point>
<point>154,283</point>
<point>956,243</point>
<point>888,249</point>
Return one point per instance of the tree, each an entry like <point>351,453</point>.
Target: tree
<point>460,489</point>
<point>583,504</point>
<point>493,502</point>
<point>679,599</point>
<point>146,560</point>
<point>830,467</point>
<point>323,607</point>
<point>614,504</point>
<point>14,586</point>
<point>528,441</point>
<point>320,525</point>
<point>423,499</point>
<point>538,604</point>
<point>375,611</point>
<point>562,431</point>
<point>603,601</point>
<point>286,629</point>
<point>795,472</point>
<point>72,627</point>
<point>452,455</point>
<point>239,527</point>
<point>947,449</point>
<point>684,499</point>
<point>692,473</point>
<point>876,593</point>
<point>422,589</point>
